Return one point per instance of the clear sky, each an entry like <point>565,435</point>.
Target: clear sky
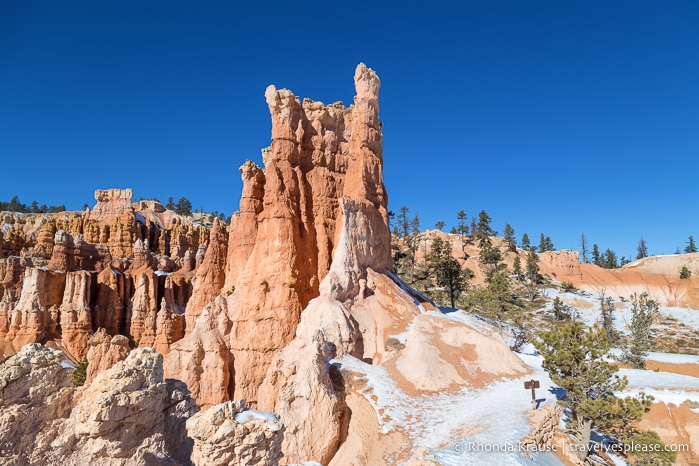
<point>557,116</point>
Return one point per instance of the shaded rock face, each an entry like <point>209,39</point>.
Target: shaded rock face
<point>128,415</point>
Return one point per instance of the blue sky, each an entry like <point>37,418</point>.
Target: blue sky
<point>559,117</point>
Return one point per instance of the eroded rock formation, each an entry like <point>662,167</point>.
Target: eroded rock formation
<point>124,267</point>
<point>128,415</point>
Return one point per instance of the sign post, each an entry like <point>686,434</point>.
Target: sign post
<point>533,384</point>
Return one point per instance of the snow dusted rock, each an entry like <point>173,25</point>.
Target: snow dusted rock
<point>311,407</point>
<point>442,354</point>
<point>35,394</point>
<point>229,434</point>
<point>128,415</point>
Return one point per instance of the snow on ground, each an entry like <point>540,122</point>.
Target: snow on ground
<point>409,291</point>
<point>663,386</point>
<point>497,413</point>
<point>484,426</point>
<point>622,315</point>
<point>671,358</point>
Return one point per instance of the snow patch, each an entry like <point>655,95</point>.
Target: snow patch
<point>251,414</point>
<point>409,291</point>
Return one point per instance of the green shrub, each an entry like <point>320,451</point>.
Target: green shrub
<point>80,373</point>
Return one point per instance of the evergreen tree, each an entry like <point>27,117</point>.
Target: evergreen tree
<point>462,228</point>
<point>573,357</point>
<point>391,218</point>
<point>183,206</point>
<point>494,302</point>
<point>643,309</point>
<point>509,234</point>
<point>526,243</point>
<point>607,310</point>
<point>583,249</point>
<point>483,227</point>
<point>532,273</point>
<point>454,231</point>
<point>404,221</point>
<point>447,270</point>
<point>596,257</point>
<point>491,258</point>
<point>685,273</point>
<point>545,243</point>
<point>561,312</point>
<point>641,249</point>
<point>691,247</point>
<point>439,225</point>
<point>517,267</point>
<point>170,203</point>
<point>609,260</point>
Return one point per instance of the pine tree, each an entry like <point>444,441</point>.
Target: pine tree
<point>517,267</point>
<point>596,257</point>
<point>609,260</point>
<point>462,228</point>
<point>483,227</point>
<point>641,249</point>
<point>685,273</point>
<point>573,357</point>
<point>607,310</point>
<point>561,312</point>
<point>583,249</point>
<point>446,270</point>
<point>509,234</point>
<point>643,309</point>
<point>404,221</point>
<point>691,247</point>
<point>494,302</point>
<point>526,243</point>
<point>183,206</point>
<point>532,273</point>
<point>439,225</point>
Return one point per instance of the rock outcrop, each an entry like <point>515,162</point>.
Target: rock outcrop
<point>124,267</point>
<point>35,400</point>
<point>229,434</point>
<point>128,415</point>
<point>659,276</point>
<point>105,351</point>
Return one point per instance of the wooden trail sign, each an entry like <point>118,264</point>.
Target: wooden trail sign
<point>533,384</point>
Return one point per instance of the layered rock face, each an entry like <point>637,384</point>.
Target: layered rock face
<point>321,189</point>
<point>659,276</point>
<point>222,436</point>
<point>124,267</point>
<point>305,277</point>
<point>128,415</point>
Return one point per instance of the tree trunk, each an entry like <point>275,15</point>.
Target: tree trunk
<point>585,432</point>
